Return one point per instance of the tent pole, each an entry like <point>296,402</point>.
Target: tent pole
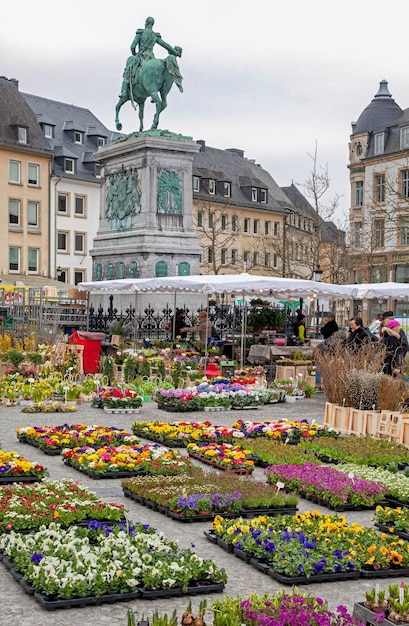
<point>243,332</point>
<point>206,350</point>
<point>174,318</point>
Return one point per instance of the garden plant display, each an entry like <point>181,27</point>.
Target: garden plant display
<point>276,452</point>
<point>27,507</point>
<point>280,609</point>
<point>327,486</point>
<point>115,399</point>
<point>224,456</point>
<point>359,450</point>
<point>396,482</point>
<point>49,406</point>
<point>306,545</point>
<point>391,604</point>
<point>14,467</point>
<point>394,520</point>
<point>220,393</point>
<point>180,433</point>
<point>55,438</point>
<point>89,562</point>
<point>114,461</point>
<point>198,492</point>
<point>283,429</point>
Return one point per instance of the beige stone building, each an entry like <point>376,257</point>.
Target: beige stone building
<point>25,163</point>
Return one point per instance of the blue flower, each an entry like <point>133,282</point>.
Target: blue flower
<point>36,558</point>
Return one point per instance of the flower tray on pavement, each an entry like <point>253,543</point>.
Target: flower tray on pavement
<point>180,433</point>
<point>283,429</point>
<point>24,508</point>
<point>224,456</point>
<point>309,544</point>
<point>315,578</point>
<point>370,617</point>
<point>119,563</point>
<point>199,494</point>
<point>328,486</point>
<point>123,461</point>
<point>53,439</point>
<point>15,468</point>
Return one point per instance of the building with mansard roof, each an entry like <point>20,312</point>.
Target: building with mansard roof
<point>379,208</point>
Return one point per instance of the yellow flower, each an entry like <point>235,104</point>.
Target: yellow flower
<point>396,558</point>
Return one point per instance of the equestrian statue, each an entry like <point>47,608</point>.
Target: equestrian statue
<point>147,77</point>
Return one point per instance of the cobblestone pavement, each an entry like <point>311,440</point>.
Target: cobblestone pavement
<point>19,609</point>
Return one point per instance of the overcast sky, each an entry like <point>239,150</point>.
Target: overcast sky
<point>268,77</point>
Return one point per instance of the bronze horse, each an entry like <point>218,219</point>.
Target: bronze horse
<point>155,79</point>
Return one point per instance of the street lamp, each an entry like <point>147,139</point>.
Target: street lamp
<point>318,274</point>
<point>317,278</point>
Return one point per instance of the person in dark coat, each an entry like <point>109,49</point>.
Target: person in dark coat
<point>387,317</point>
<point>180,322</point>
<point>357,334</point>
<point>330,327</point>
<point>392,340</point>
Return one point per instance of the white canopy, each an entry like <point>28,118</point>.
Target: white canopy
<point>247,284</point>
<point>397,291</point>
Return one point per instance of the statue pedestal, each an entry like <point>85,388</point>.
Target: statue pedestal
<point>146,226</point>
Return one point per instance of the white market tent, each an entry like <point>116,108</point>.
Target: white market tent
<point>397,291</point>
<point>247,284</point>
<point>243,284</point>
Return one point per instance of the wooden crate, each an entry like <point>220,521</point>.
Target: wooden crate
<point>357,423</point>
<point>341,418</point>
<point>285,372</point>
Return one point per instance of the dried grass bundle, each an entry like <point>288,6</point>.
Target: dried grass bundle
<point>392,393</point>
<point>337,363</point>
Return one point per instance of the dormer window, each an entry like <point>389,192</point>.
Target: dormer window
<point>101,141</point>
<point>404,137</point>
<point>69,166</point>
<point>196,183</point>
<point>379,143</point>
<point>22,134</point>
<point>78,137</point>
<point>263,196</point>
<point>254,194</point>
<point>212,187</point>
<point>48,131</point>
<point>227,189</point>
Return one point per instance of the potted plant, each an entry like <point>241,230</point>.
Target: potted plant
<point>119,329</point>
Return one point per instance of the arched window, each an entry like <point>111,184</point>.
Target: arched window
<point>161,269</point>
<point>133,269</point>
<point>121,269</point>
<point>184,269</point>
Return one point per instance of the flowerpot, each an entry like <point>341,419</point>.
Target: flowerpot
<point>290,399</point>
<point>117,340</point>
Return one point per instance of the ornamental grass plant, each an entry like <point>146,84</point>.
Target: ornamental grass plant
<point>336,365</point>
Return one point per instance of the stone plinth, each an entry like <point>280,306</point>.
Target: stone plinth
<point>146,226</point>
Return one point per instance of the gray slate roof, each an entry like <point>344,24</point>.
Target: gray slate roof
<point>381,111</point>
<point>66,119</point>
<point>300,202</point>
<point>230,165</point>
<point>15,112</point>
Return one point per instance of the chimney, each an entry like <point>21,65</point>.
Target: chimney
<point>202,145</point>
<point>239,153</point>
<point>15,82</point>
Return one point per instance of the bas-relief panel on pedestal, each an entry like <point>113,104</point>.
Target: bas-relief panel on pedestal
<point>123,199</point>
